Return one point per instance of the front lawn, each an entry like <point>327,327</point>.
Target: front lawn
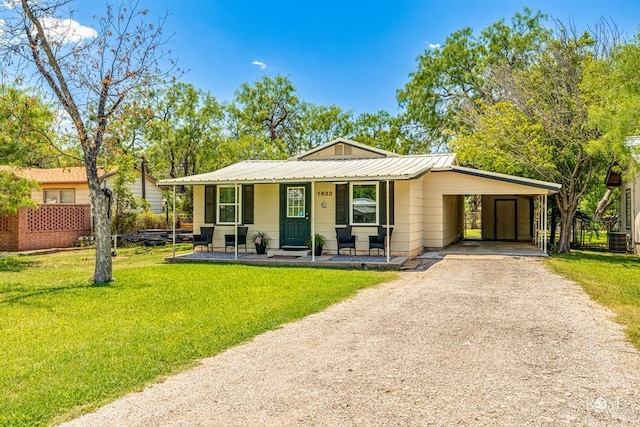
<point>611,280</point>
<point>68,347</point>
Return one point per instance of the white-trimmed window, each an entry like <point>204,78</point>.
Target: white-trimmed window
<point>364,203</point>
<point>227,204</point>
<point>67,196</point>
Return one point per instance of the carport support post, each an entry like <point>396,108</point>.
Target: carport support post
<point>237,219</point>
<point>545,220</point>
<point>388,245</point>
<point>313,221</point>
<point>174,221</point>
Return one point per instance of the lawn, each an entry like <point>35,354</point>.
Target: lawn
<point>68,347</point>
<point>611,280</point>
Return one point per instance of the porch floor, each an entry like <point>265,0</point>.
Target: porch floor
<point>486,247</point>
<point>333,261</point>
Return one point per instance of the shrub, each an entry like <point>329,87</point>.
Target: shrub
<point>147,220</point>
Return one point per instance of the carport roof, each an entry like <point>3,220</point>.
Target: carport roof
<point>551,187</point>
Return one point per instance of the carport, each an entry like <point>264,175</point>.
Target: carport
<point>513,208</point>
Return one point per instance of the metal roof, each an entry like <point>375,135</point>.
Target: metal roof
<point>262,171</point>
<point>551,186</point>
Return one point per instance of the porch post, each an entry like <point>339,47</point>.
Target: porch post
<point>237,218</point>
<point>536,224</point>
<point>545,219</point>
<point>388,245</point>
<point>313,222</point>
<point>174,221</point>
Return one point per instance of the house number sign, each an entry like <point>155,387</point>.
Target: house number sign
<point>325,193</point>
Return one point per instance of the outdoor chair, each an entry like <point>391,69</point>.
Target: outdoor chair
<point>379,241</point>
<point>230,239</point>
<point>345,239</point>
<point>205,238</point>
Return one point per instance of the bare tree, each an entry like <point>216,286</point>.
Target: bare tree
<point>89,73</point>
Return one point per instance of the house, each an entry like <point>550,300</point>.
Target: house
<point>64,212</point>
<point>344,183</point>
<point>629,184</point>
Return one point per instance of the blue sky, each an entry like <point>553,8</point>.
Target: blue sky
<point>354,54</point>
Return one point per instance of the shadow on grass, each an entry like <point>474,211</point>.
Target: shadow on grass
<point>16,264</point>
<point>20,293</point>
<point>598,256</point>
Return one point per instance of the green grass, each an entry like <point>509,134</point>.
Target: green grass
<point>611,280</point>
<point>68,347</point>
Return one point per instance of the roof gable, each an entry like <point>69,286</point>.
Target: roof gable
<point>341,148</point>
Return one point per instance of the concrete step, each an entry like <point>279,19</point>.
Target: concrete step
<point>280,252</point>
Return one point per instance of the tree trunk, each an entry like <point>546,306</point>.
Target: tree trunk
<point>603,205</point>
<point>564,246</point>
<point>102,229</point>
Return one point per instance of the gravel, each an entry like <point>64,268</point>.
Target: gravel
<point>471,341</point>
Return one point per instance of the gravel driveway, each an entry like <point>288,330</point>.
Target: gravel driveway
<point>479,341</point>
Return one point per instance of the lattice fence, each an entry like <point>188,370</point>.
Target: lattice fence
<point>58,218</point>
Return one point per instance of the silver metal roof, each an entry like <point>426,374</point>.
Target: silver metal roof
<point>263,171</point>
<point>552,187</point>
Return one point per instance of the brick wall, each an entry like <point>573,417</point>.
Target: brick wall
<point>9,233</point>
<point>50,226</point>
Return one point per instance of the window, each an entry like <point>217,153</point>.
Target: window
<point>221,200</point>
<point>295,202</point>
<point>60,196</point>
<point>627,208</point>
<point>364,204</point>
<point>227,205</point>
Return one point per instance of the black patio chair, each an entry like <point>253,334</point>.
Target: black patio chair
<point>230,239</point>
<point>205,238</point>
<point>379,241</point>
<point>345,239</point>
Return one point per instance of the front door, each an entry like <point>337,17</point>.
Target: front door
<point>506,211</point>
<point>295,215</point>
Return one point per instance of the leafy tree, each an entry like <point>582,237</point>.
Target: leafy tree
<point>540,123</point>
<point>269,109</point>
<point>25,131</point>
<point>456,73</point>
<point>89,76</point>
<point>516,99</point>
<point>319,124</point>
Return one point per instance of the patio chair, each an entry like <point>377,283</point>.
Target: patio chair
<point>379,241</point>
<point>230,239</point>
<point>205,238</point>
<point>345,239</point>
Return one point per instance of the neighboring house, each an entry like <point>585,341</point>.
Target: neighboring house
<point>629,184</point>
<point>64,213</point>
<point>346,183</point>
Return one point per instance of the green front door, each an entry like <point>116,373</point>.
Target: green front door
<point>295,214</point>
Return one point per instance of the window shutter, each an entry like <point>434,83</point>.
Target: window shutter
<point>209,204</point>
<point>247,204</point>
<point>382,207</point>
<point>342,204</point>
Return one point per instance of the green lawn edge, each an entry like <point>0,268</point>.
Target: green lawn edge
<point>612,280</point>
<point>73,347</point>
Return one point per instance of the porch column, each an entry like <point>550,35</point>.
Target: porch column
<point>313,222</point>
<point>388,245</point>
<point>174,221</point>
<point>545,220</point>
<point>237,218</point>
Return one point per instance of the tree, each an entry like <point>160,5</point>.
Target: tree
<point>89,75</point>
<point>25,132</point>
<point>540,123</point>
<point>455,73</point>
<point>269,109</point>
<point>517,99</point>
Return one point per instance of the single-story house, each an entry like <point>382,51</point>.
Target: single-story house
<point>629,184</point>
<point>64,212</point>
<point>346,184</point>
